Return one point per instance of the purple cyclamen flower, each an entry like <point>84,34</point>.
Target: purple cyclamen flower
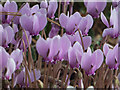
<point>44,4</point>
<point>18,42</point>
<point>85,24</point>
<point>70,23</point>
<point>48,48</point>
<point>53,48</point>
<point>53,5</point>
<point>75,54</point>
<point>20,78</point>
<point>90,62</point>
<point>6,35</point>
<point>113,28</point>
<point>29,11</point>
<point>65,44</point>
<point>8,7</point>
<point>54,30</point>
<point>94,7</point>
<point>111,56</point>
<point>26,10</point>
<point>10,62</point>
<point>34,23</point>
<point>17,56</point>
<point>87,40</point>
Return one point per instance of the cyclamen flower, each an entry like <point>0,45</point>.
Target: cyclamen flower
<point>48,48</point>
<point>54,30</point>
<point>44,4</point>
<point>8,7</point>
<point>10,62</point>
<point>34,23</point>
<point>85,24</point>
<point>75,54</point>
<point>20,35</point>
<point>111,56</point>
<point>6,35</point>
<point>53,5</point>
<point>29,11</point>
<point>87,40</point>
<point>94,7</point>
<point>20,78</point>
<point>53,48</point>
<point>113,27</point>
<point>75,21</point>
<point>70,23</point>
<point>90,62</point>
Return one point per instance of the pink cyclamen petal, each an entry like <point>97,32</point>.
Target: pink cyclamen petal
<point>63,20</point>
<point>42,47</point>
<point>52,8</point>
<point>17,56</point>
<point>43,4</point>
<point>104,19</point>
<point>79,51</point>
<point>64,46</point>
<point>72,57</point>
<point>11,66</point>
<point>54,47</point>
<point>98,59</point>
<point>105,49</point>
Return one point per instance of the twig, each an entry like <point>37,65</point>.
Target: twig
<point>71,71</point>
<point>81,39</point>
<point>53,22</point>
<point>29,66</point>
<point>59,8</point>
<point>45,67</point>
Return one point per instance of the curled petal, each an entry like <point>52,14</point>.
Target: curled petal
<point>100,6</point>
<point>104,19</point>
<point>35,8</point>
<point>87,40</point>
<point>64,45</point>
<point>97,62</point>
<point>42,20</point>
<point>63,20</point>
<point>105,49</point>
<point>26,22</point>
<point>17,56</point>
<point>79,51</point>
<point>42,47</point>
<point>43,4</point>
<point>4,57</point>
<point>108,31</point>
<point>52,8</point>
<point>25,10</point>
<point>86,62</point>
<point>36,28</point>
<point>89,22</point>
<point>10,34</point>
<point>72,57</point>
<point>77,17</point>
<point>11,66</point>
<point>54,47</point>
<point>110,59</point>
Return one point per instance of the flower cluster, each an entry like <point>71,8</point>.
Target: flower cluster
<point>68,40</point>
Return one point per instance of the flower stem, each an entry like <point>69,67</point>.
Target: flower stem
<point>81,39</point>
<point>53,22</point>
